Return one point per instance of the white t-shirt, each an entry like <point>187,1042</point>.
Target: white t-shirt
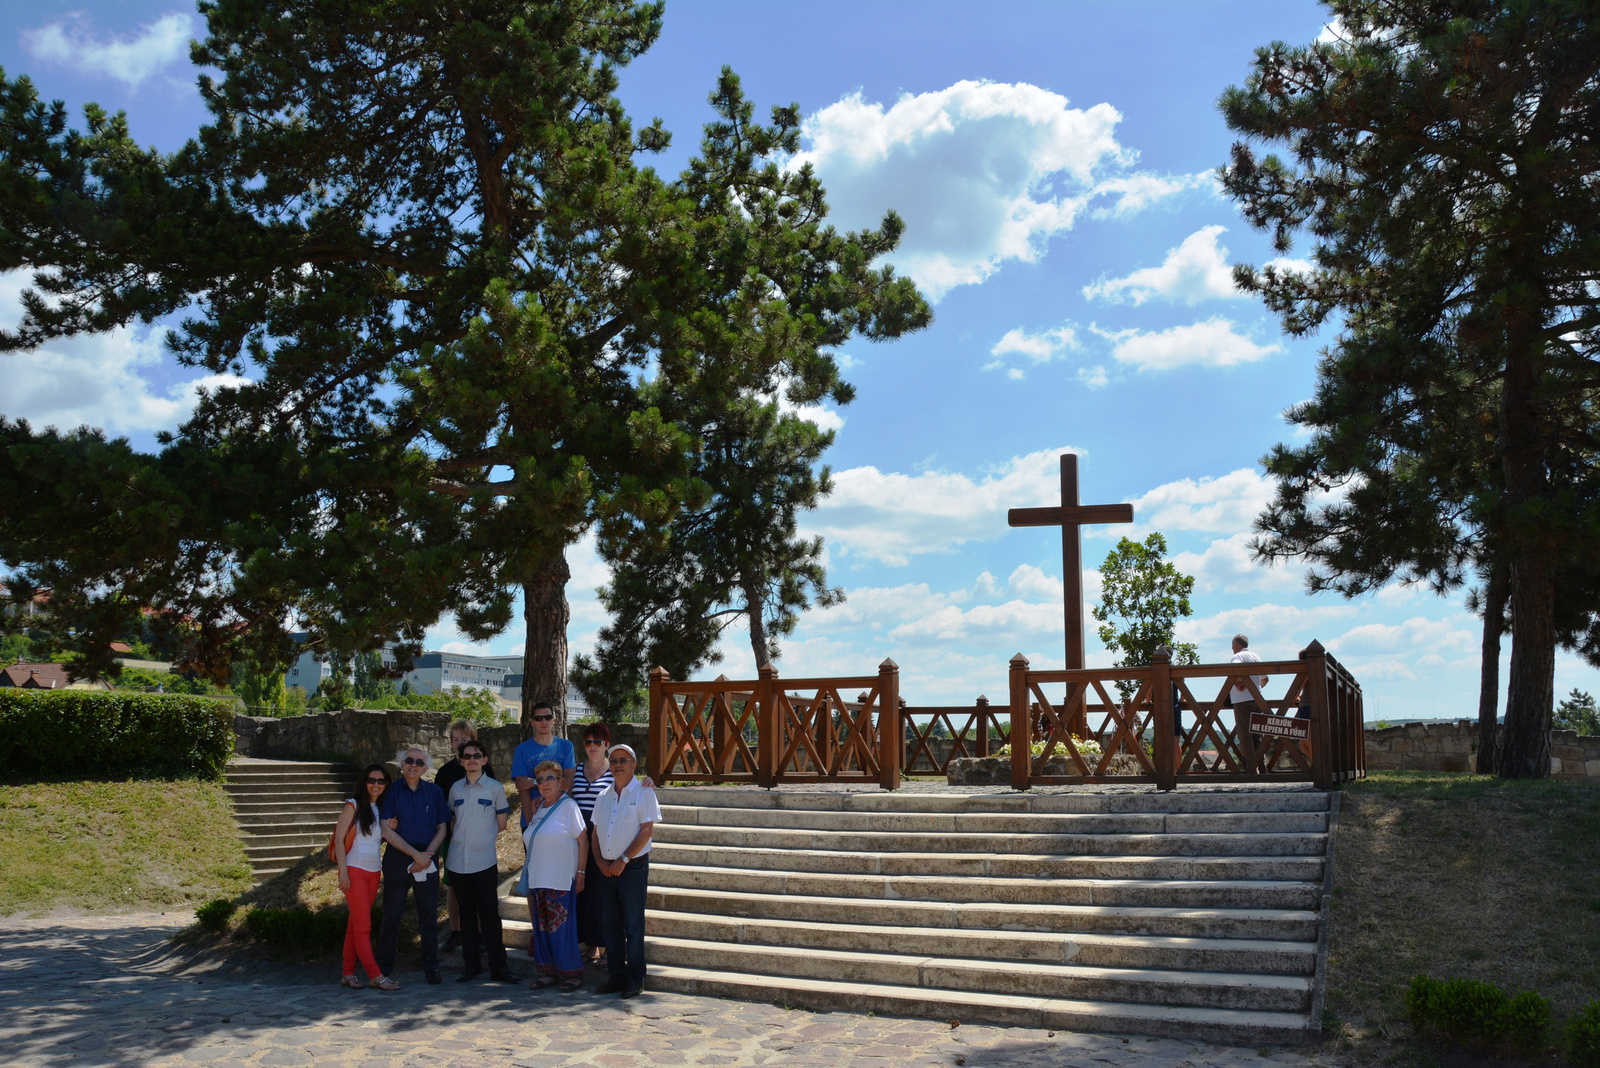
<point>363,852</point>
<point>1245,656</point>
<point>553,853</point>
<point>617,818</point>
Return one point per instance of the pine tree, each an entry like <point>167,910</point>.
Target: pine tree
<point>1442,163</point>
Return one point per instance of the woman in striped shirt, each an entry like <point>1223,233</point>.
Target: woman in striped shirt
<point>593,778</point>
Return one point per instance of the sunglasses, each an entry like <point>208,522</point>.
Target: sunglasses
<point>414,760</point>
<point>540,718</point>
<point>377,782</point>
<point>472,756</point>
<point>622,760</point>
<point>548,778</point>
<point>594,741</point>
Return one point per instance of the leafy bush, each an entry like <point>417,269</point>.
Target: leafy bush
<point>1467,1012</point>
<point>214,916</point>
<point>298,928</point>
<point>1088,749</point>
<point>94,733</point>
<point>1583,1037</point>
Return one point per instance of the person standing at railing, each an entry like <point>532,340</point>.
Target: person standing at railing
<point>1244,700</point>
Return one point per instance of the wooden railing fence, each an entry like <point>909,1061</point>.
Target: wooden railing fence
<point>1135,740</point>
<point>804,730</point>
<point>770,730</point>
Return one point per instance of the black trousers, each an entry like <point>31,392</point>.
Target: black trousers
<point>622,919</point>
<point>397,882</point>
<point>477,895</point>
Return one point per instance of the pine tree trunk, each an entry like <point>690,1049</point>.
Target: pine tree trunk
<point>544,654</point>
<point>1524,751</point>
<point>758,627</point>
<point>1494,614</point>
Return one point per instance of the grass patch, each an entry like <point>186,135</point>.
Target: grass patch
<point>1461,877</point>
<point>110,845</point>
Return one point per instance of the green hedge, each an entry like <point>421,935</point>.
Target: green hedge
<point>94,734</point>
<point>1466,1012</point>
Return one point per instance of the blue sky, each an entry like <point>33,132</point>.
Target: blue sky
<point>1053,163</point>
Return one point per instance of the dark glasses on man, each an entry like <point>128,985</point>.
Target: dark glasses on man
<point>414,760</point>
<point>471,756</point>
<point>622,760</point>
<point>543,717</point>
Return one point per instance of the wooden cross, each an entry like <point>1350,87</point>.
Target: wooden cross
<point>1069,516</point>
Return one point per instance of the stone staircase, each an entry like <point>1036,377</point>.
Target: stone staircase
<point>1194,914</point>
<point>286,808</point>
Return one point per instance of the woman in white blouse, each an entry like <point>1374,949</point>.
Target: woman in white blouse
<point>355,849</point>
<point>552,875</point>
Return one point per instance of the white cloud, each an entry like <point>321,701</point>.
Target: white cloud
<point>1194,271</point>
<point>890,517</point>
<point>93,380</point>
<point>1212,343</point>
<point>1094,377</point>
<point>1037,348</point>
<point>982,172</point>
<point>1227,567</point>
<point>1228,504</point>
<point>1135,192</point>
<point>131,59</point>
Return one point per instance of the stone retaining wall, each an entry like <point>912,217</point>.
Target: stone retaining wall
<point>365,736</point>
<point>1454,747</point>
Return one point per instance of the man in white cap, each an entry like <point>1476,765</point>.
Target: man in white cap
<point>624,817</point>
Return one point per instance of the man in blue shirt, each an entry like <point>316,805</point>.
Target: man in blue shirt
<point>544,745</point>
<point>421,819</point>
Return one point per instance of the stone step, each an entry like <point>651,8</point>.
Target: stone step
<point>308,793</point>
<point>1246,844</point>
<point>256,827</point>
<point>270,844</point>
<point>1180,893</point>
<point>290,775</point>
<point>1276,924</point>
<point>1102,949</point>
<point>277,807</point>
<point>988,864</point>
<point>296,785</point>
<point>1217,990</point>
<point>1001,823</point>
<point>1228,1026</point>
<point>1113,799</point>
<point>254,767</point>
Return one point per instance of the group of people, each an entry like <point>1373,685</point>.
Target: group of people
<point>586,829</point>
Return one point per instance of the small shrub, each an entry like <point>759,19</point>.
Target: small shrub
<point>1467,1012</point>
<point>297,928</point>
<point>215,915</point>
<point>1583,1037</point>
<point>119,734</point>
<point>1525,1023</point>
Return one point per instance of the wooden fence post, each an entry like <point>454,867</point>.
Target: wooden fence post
<point>656,742</point>
<point>1161,718</point>
<point>767,723</point>
<point>982,715</point>
<point>891,735</point>
<point>1021,725</point>
<point>1316,697</point>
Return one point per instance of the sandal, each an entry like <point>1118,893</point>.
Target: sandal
<point>541,982</point>
<point>353,981</point>
<point>570,985</point>
<point>384,982</point>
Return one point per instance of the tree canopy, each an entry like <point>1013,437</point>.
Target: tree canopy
<point>462,318</point>
<point>1441,158</point>
<point>1142,597</point>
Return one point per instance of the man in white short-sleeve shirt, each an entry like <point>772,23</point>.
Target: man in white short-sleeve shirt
<point>1244,701</point>
<point>624,818</point>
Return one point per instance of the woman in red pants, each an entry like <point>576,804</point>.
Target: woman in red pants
<point>358,856</point>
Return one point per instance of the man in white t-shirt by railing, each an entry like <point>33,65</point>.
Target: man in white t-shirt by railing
<point>1244,702</point>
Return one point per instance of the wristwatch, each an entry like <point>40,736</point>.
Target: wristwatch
<point>624,858</point>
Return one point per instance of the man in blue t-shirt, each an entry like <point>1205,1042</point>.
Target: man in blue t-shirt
<point>544,745</point>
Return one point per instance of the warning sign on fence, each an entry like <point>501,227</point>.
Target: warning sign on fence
<point>1280,726</point>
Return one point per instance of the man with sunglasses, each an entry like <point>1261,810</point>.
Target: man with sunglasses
<point>480,810</point>
<point>544,745</point>
<point>420,814</point>
<point>624,819</point>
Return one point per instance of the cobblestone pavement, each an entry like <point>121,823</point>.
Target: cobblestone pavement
<point>108,990</point>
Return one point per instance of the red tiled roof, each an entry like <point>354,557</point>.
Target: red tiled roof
<point>34,676</point>
<point>121,647</point>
